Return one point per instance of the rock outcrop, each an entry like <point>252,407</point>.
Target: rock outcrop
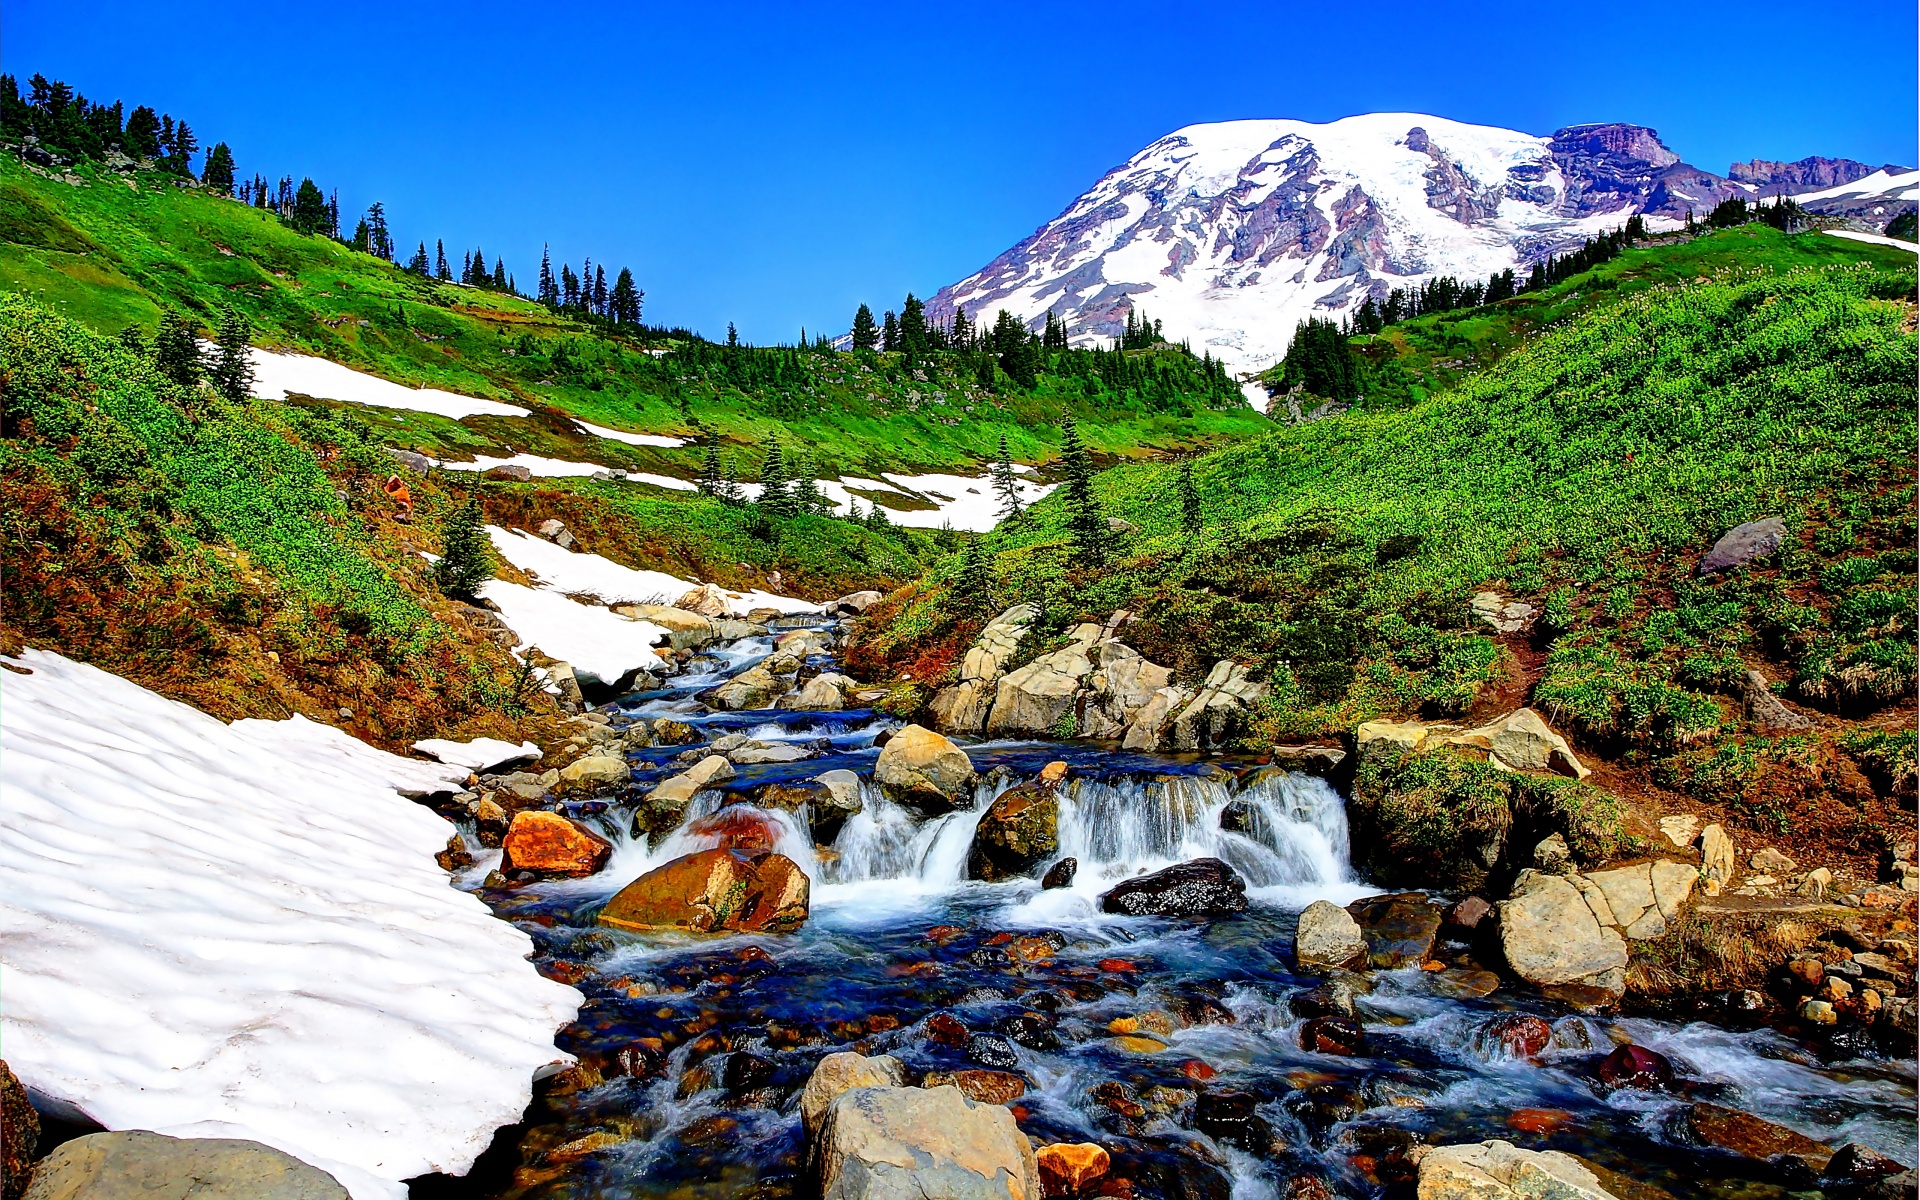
<point>963,707</point>
<point>894,1143</point>
<point>712,891</point>
<point>1522,741</point>
<point>842,1072</point>
<point>1035,697</point>
<point>1645,898</point>
<point>1202,887</point>
<point>1552,937</point>
<point>549,844</point>
<point>1018,832</point>
<point>756,687</point>
<point>853,603</point>
<point>137,1165</point>
<point>1501,614</point>
<point>822,693</point>
<point>1218,709</point>
<point>1496,1170</point>
<point>686,630</point>
<point>920,767</point>
<point>666,804</point>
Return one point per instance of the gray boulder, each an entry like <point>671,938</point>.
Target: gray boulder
<point>1034,698</point>
<point>1496,1170</point>
<point>1217,710</point>
<point>900,1143</point>
<point>754,688</point>
<point>137,1165</point>
<point>920,767</point>
<point>1744,544</point>
<point>1328,936</point>
<point>1551,936</point>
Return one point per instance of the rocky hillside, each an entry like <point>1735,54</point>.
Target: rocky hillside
<point>1233,233</point>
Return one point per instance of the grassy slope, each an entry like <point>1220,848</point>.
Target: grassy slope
<point>1586,472</point>
<point>114,252</point>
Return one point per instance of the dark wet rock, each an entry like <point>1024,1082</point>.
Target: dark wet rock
<point>1046,1002</point>
<point>1331,999</point>
<point>136,1165</point>
<point>945,1029</point>
<point>1401,1089</point>
<point>1635,1067</point>
<point>984,995</point>
<point>793,797</point>
<point>1463,983</point>
<point>1248,820</point>
<point>1324,1105</point>
<point>1117,1098</point>
<point>745,1072</point>
<point>1308,1187</point>
<point>1846,1042</point>
<point>1031,1030</point>
<point>668,732</point>
<point>1400,930</point>
<point>1333,1035</point>
<point>1018,832</point>
<point>456,857</point>
<point>984,1087</point>
<point>1798,1158</point>
<point>1060,874</point>
<point>992,1051</point>
<point>1513,1035</point>
<point>1195,1008</point>
<point>1230,1116</point>
<point>1203,887</point>
<point>1744,544</point>
<point>1859,1172</point>
<point>636,1061</point>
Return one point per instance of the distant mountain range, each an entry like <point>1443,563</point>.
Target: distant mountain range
<point>1233,233</point>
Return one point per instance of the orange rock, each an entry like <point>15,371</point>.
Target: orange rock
<point>1030,950</point>
<point>1433,964</point>
<point>1053,774</point>
<point>1065,1168</point>
<point>944,933</point>
<point>981,1087</point>
<point>736,828</point>
<point>714,890</point>
<point>1118,966</point>
<point>1537,1120</point>
<point>1197,1071</point>
<point>551,844</point>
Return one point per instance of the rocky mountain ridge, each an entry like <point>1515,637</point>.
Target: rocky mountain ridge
<point>1233,233</point>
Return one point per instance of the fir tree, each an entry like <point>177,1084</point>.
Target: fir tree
<point>549,291</point>
<point>1006,484</point>
<point>890,333</point>
<point>420,266</point>
<point>310,214</point>
<point>218,172</point>
<point>876,519</point>
<point>1190,519</point>
<point>864,332</point>
<point>231,371</point>
<point>624,301</point>
<point>180,161</point>
<point>776,494</point>
<point>141,138</point>
<point>440,269</point>
<point>1085,521</point>
<point>500,274</point>
<point>973,586</point>
<point>710,478</point>
<point>600,291</point>
<point>175,351</point>
<point>913,329</point>
<point>464,563</point>
<point>733,335</point>
<point>806,491</point>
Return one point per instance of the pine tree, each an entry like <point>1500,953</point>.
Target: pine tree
<point>624,301</point>
<point>1190,519</point>
<point>733,335</point>
<point>876,519</point>
<point>973,586</point>
<point>776,494</point>
<point>231,371</point>
<point>600,291</point>
<point>1085,521</point>
<point>175,351</point>
<point>218,172</point>
<point>142,136</point>
<point>180,162</point>
<point>464,562</point>
<point>500,274</point>
<point>913,329</point>
<point>549,291</point>
<point>864,332</point>
<point>711,476</point>
<point>441,270</point>
<point>890,333</point>
<point>310,214</point>
<point>420,266</point>
<point>1006,484</point>
<point>806,490</point>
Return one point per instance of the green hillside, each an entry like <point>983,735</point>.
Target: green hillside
<point>116,250</point>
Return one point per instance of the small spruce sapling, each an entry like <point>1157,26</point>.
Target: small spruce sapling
<point>1006,485</point>
<point>1085,521</point>
<point>175,351</point>
<point>231,371</point>
<point>973,587</point>
<point>464,560</point>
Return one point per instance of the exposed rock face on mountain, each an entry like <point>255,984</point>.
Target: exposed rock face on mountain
<point>1810,174</point>
<point>1233,233</point>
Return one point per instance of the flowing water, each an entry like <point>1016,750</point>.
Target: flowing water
<point>695,1048</point>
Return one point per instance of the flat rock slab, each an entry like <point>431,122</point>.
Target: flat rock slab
<point>1399,930</point>
<point>137,1165</point>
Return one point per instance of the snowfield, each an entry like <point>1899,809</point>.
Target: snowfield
<point>566,571</point>
<point>1878,239</point>
<point>239,930</point>
<point>277,375</point>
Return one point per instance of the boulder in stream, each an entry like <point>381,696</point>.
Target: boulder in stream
<point>1068,1167</point>
<point>1018,832</point>
<point>1399,929</point>
<point>1201,887</point>
<point>666,805</point>
<point>1328,936</point>
<point>712,891</point>
<point>1060,874</point>
<point>841,1072</point>
<point>549,844</point>
<point>920,767</point>
<point>137,1165</point>
<point>1551,936</point>
<point>895,1143</point>
<point>1497,1170</point>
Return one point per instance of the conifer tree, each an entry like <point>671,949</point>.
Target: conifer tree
<point>549,291</point>
<point>600,291</point>
<point>231,371</point>
<point>806,490</point>
<point>464,563</point>
<point>973,587</point>
<point>624,301</point>
<point>441,270</point>
<point>733,335</point>
<point>876,519</point>
<point>890,333</point>
<point>1190,518</point>
<point>913,329</point>
<point>142,136</point>
<point>310,213</point>
<point>218,172</point>
<point>175,351</point>
<point>776,489</point>
<point>420,266</point>
<point>710,477</point>
<point>1006,484</point>
<point>1085,521</point>
<point>864,332</point>
<point>730,491</point>
<point>500,274</point>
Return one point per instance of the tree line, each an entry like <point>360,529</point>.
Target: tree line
<point>59,118</point>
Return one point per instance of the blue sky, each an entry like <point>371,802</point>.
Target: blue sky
<point>776,165</point>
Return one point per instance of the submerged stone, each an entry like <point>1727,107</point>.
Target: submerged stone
<point>1203,887</point>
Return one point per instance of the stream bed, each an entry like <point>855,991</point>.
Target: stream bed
<point>1174,1044</point>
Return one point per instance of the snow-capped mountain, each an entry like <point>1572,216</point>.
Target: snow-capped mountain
<point>1231,234</point>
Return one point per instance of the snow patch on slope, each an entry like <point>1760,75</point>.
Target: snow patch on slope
<point>242,928</point>
<point>277,375</point>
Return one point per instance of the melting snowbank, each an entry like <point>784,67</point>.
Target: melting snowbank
<point>1877,239</point>
<point>595,641</point>
<point>242,928</point>
<point>563,570</point>
<point>275,375</point>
